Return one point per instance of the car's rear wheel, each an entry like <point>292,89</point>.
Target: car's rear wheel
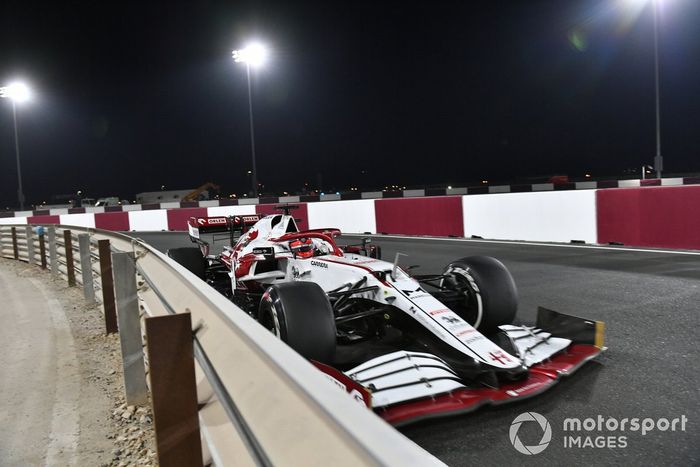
<point>489,296</point>
<point>300,314</point>
<point>191,258</point>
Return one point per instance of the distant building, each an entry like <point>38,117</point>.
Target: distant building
<point>152,197</point>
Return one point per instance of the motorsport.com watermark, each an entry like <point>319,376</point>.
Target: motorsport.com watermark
<point>576,431</point>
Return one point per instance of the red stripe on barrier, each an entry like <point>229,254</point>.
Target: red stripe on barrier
<point>177,218</point>
<point>664,217</point>
<point>48,219</point>
<point>439,216</point>
<point>118,221</point>
<point>301,213</point>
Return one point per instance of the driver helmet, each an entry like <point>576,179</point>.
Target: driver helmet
<point>302,247</point>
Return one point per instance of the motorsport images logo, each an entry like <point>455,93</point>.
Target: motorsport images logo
<point>546,433</point>
<point>592,432</point>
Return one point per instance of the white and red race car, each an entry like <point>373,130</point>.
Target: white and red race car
<point>409,346</point>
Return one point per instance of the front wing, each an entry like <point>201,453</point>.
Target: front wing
<point>541,377</point>
<point>405,387</point>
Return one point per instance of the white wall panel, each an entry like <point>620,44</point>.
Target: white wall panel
<point>12,220</point>
<point>152,219</point>
<point>231,210</point>
<point>557,216</point>
<point>82,220</point>
<point>351,216</point>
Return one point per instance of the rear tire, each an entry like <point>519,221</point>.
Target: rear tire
<point>300,314</point>
<point>191,258</point>
<point>490,295</point>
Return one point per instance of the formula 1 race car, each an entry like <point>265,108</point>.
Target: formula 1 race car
<point>409,346</point>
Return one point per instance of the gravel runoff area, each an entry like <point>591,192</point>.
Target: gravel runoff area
<point>61,382</point>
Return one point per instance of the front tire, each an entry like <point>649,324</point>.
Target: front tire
<point>490,296</point>
<point>300,314</point>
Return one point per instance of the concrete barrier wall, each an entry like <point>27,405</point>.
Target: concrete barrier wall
<point>43,219</point>
<point>177,218</point>
<point>664,217</point>
<point>537,216</point>
<point>655,216</point>
<point>437,216</point>
<point>82,220</point>
<point>356,216</point>
<point>231,210</point>
<point>153,219</point>
<point>115,221</point>
<point>12,220</point>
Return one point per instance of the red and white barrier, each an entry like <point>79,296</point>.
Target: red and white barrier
<point>654,216</point>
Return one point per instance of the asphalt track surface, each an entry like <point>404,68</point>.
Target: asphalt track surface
<point>650,302</point>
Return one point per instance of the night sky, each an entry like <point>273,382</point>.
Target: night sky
<point>132,96</point>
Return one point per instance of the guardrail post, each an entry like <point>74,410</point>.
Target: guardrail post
<point>53,254</point>
<point>15,248</point>
<point>86,267</point>
<point>124,268</point>
<point>107,286</point>
<point>42,250</point>
<point>30,244</point>
<point>173,390</point>
<point>68,242</point>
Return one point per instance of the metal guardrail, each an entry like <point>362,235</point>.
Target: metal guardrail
<point>258,402</point>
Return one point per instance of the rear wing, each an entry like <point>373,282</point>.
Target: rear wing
<point>199,225</point>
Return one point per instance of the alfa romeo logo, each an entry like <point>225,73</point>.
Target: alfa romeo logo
<point>546,433</point>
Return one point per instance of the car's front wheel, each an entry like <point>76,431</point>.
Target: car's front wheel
<point>488,296</point>
<point>300,314</point>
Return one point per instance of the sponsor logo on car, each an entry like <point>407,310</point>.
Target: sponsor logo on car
<point>212,220</point>
<point>239,219</point>
<point>473,339</point>
<point>500,357</point>
<point>527,387</point>
<point>439,312</point>
<point>451,320</point>
<point>319,264</point>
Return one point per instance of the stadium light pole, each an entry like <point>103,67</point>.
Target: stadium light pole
<point>252,55</point>
<point>658,159</point>
<point>17,93</point>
